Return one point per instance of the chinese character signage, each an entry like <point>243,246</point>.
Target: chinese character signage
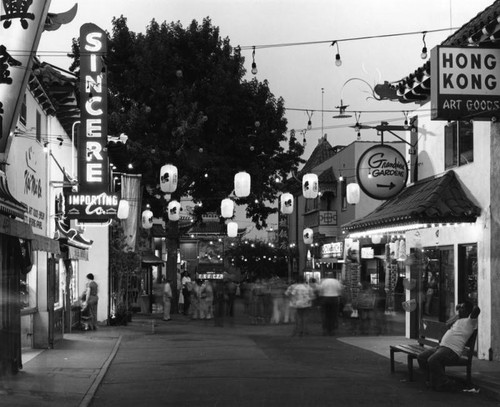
<point>465,83</point>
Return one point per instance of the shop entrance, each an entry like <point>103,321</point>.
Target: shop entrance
<point>438,283</point>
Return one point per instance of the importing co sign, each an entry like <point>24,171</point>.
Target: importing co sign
<point>465,83</point>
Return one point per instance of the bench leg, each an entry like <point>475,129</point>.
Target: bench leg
<point>410,367</point>
<point>392,360</point>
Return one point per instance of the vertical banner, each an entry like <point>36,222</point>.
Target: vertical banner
<point>131,192</point>
<point>21,26</point>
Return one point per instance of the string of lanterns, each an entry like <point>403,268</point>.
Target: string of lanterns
<point>242,187</point>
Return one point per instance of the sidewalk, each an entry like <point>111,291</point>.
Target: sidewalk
<point>70,374</point>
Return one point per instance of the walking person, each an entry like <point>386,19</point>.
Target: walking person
<point>167,300</point>
<point>330,291</point>
<point>91,300</point>
<point>301,296</point>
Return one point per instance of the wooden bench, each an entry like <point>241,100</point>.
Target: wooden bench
<point>431,333</point>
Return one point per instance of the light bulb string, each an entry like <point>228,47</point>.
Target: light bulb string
<point>332,42</point>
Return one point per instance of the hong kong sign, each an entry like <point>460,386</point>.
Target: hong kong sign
<point>465,83</point>
<point>93,202</point>
<point>382,172</point>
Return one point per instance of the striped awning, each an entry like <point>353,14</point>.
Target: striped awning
<point>8,204</point>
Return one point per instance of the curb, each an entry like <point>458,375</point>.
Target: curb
<point>87,399</point>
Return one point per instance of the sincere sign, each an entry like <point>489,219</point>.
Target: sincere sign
<point>465,83</point>
<point>382,172</point>
<point>93,202</point>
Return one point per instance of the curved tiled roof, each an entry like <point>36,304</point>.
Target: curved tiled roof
<point>438,200</point>
<point>482,31</point>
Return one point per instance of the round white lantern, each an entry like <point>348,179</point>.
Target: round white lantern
<point>227,208</point>
<point>123,209</point>
<point>168,178</point>
<point>232,229</point>
<point>147,219</point>
<point>286,203</point>
<point>353,193</point>
<point>307,234</point>
<point>174,210</point>
<point>310,186</point>
<point>242,184</point>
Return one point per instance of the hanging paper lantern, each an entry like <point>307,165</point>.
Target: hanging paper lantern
<point>168,178</point>
<point>308,236</point>
<point>376,239</point>
<point>227,208</point>
<point>242,183</point>
<point>286,202</point>
<point>147,219</point>
<point>310,186</point>
<point>353,193</point>
<point>174,210</point>
<point>123,209</point>
<point>232,229</point>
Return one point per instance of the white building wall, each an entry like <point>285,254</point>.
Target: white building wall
<point>474,178</point>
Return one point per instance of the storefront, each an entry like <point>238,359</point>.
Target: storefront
<point>430,241</point>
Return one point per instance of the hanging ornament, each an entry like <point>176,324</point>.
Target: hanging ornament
<point>232,229</point>
<point>123,209</point>
<point>227,208</point>
<point>353,193</point>
<point>174,211</point>
<point>286,203</point>
<point>307,234</point>
<point>168,178</point>
<point>242,183</point>
<point>310,186</point>
<point>147,219</point>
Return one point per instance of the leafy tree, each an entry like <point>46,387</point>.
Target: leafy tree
<point>123,265</point>
<point>181,97</point>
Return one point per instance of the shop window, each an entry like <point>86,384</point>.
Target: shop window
<point>312,204</point>
<point>38,126</point>
<point>438,283</point>
<point>467,273</point>
<point>458,144</point>
<point>343,195</point>
<point>23,113</point>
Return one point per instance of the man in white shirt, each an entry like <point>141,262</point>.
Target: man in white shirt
<point>451,346</point>
<point>330,291</point>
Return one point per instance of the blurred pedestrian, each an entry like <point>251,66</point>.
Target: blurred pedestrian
<point>167,300</point>
<point>301,296</point>
<point>186,291</point>
<point>219,302</point>
<point>207,296</point>
<point>230,297</point>
<point>92,299</point>
<point>330,291</point>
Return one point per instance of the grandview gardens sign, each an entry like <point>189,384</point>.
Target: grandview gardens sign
<point>93,202</point>
<point>465,83</point>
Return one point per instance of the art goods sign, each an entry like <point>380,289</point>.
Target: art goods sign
<point>93,202</point>
<point>465,83</point>
<point>382,172</point>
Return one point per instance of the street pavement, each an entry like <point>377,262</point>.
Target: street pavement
<point>186,362</point>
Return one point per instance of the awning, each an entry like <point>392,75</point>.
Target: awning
<point>16,228</point>
<point>46,244</point>
<point>438,200</point>
<point>150,259</point>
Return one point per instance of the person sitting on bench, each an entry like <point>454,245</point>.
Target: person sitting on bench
<point>451,346</point>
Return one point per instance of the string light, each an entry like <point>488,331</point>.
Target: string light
<point>338,61</point>
<point>254,65</point>
<point>423,55</point>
